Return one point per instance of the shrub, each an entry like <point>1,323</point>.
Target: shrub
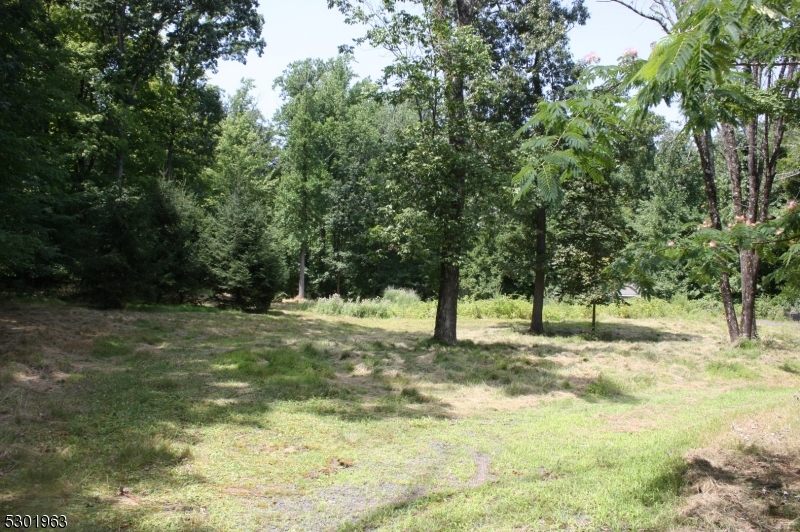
<point>116,264</point>
<point>241,255</point>
<point>178,221</point>
<point>359,308</point>
<point>145,248</point>
<point>402,297</point>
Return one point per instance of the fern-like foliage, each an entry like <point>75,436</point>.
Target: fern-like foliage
<point>570,138</point>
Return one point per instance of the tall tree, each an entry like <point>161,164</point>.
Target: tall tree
<point>571,138</point>
<point>316,99</point>
<point>128,43</point>
<point>36,110</point>
<point>732,64</point>
<point>447,56</point>
<point>246,156</point>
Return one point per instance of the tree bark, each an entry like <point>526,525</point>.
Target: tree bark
<point>703,142</point>
<point>301,291</point>
<point>734,167</point>
<point>750,262</point>
<point>447,307</point>
<point>537,322</point>
<point>748,258</point>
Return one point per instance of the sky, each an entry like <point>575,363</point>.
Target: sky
<point>300,29</point>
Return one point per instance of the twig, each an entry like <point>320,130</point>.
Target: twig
<point>657,20</point>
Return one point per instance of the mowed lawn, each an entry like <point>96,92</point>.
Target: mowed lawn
<point>176,420</point>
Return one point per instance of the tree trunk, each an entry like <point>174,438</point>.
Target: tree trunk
<point>703,142</point>
<point>750,262</point>
<point>301,292</point>
<point>170,152</point>
<point>118,169</point>
<point>594,317</point>
<point>447,307</point>
<point>537,322</point>
<point>734,167</point>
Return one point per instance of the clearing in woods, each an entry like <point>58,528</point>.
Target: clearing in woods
<point>172,420</point>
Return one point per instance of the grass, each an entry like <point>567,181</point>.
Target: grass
<point>151,421</point>
<point>791,366</point>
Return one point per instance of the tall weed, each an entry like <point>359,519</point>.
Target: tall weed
<point>405,303</point>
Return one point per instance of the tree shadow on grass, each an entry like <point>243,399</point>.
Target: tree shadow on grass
<point>581,331</point>
<point>615,332</point>
<point>119,405</point>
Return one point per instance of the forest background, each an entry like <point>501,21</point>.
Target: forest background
<point>487,162</point>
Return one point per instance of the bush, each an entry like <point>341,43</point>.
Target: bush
<point>240,253</point>
<point>116,265</point>
<point>773,308</point>
<point>402,303</point>
<point>359,308</point>
<point>178,222</point>
<point>402,297</point>
<point>145,248</point>
<point>502,307</point>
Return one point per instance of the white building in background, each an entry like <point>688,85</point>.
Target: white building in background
<point>628,291</point>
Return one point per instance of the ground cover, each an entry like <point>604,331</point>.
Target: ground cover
<point>176,420</point>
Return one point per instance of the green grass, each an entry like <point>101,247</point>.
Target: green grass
<point>605,387</point>
<point>733,370</point>
<point>232,421</point>
<point>111,347</point>
<point>791,366</point>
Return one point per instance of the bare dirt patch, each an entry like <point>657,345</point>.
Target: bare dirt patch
<point>754,486</point>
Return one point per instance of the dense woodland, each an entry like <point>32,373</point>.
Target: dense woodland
<point>486,162</point>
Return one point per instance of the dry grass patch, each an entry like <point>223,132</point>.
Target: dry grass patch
<point>749,480</point>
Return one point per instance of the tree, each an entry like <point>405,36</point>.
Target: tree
<point>128,43</point>
<point>667,206</point>
<point>240,251</point>
<point>246,156</point>
<point>465,67</point>
<point>36,110</point>
<point>732,65</point>
<point>316,99</point>
<point>572,138</point>
<point>589,231</point>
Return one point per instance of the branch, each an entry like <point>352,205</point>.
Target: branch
<point>666,12</point>
<point>642,14</point>
<point>777,240</point>
<point>753,63</point>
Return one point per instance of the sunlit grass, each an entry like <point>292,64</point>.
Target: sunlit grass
<point>297,421</point>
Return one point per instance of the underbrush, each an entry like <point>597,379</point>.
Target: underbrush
<point>403,303</point>
<point>398,303</point>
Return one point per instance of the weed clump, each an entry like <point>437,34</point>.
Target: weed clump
<point>402,297</point>
<point>413,395</point>
<point>730,370</point>
<point>604,387</point>
<point>791,366</point>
